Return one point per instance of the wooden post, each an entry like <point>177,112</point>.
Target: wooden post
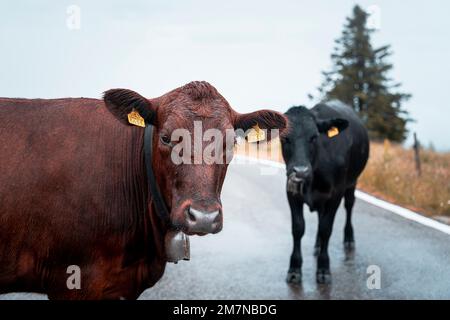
<point>386,147</point>
<point>416,147</point>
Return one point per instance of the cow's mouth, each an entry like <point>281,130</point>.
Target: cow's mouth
<point>201,234</point>
<point>177,244</point>
<point>295,185</point>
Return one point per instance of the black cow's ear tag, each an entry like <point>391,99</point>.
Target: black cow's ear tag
<point>256,134</point>
<point>135,118</point>
<point>333,131</point>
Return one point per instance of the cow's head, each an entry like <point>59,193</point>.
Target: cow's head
<point>302,144</point>
<point>192,145</point>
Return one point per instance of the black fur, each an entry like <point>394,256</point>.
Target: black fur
<point>321,171</point>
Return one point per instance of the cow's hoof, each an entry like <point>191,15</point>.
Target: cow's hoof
<point>294,276</point>
<point>323,276</point>
<point>349,245</point>
<point>316,251</point>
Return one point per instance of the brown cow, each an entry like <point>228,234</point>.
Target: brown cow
<point>74,188</point>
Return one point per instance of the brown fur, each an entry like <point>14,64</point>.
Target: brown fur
<point>73,188</point>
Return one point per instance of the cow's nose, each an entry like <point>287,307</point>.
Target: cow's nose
<point>301,172</point>
<point>202,222</point>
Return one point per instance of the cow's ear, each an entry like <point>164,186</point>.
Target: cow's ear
<point>332,126</point>
<point>262,119</point>
<point>129,107</point>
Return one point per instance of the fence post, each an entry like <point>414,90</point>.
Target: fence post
<point>386,147</point>
<point>416,147</point>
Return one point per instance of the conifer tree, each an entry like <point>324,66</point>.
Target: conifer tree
<point>359,78</point>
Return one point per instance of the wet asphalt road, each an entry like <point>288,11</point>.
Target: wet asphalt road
<point>249,258</point>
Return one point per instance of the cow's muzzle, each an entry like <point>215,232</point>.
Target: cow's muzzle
<point>297,180</point>
<point>203,222</point>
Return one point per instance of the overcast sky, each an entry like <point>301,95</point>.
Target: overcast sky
<point>258,54</point>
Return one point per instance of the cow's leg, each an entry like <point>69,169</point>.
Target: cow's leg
<point>349,241</point>
<point>326,219</point>
<point>298,229</point>
<point>317,243</point>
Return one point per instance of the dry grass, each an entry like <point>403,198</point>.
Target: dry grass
<point>391,175</point>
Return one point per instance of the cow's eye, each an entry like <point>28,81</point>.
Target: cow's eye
<point>165,140</point>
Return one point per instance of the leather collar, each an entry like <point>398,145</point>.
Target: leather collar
<point>154,192</point>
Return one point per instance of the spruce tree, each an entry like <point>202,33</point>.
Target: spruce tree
<point>359,77</point>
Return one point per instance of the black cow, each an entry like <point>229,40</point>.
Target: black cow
<point>325,151</point>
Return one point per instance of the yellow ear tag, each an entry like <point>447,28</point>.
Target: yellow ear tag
<point>256,134</point>
<point>333,131</point>
<point>135,118</point>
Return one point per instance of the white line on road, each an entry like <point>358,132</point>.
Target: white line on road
<point>403,212</point>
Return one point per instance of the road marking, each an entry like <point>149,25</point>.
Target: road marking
<point>403,212</point>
